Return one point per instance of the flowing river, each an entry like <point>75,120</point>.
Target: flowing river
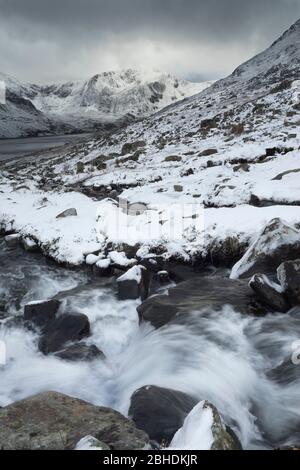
<point>224,357</point>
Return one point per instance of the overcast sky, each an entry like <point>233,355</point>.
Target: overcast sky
<point>56,40</point>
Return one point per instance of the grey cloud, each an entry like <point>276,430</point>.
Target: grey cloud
<point>101,33</point>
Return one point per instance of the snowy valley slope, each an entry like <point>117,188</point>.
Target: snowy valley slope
<point>234,149</point>
<point>105,99</point>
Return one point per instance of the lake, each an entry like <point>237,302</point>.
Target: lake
<point>11,148</point>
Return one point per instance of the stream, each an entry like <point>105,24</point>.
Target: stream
<point>224,357</point>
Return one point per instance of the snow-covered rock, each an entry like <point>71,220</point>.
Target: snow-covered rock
<point>40,313</point>
<point>203,429</point>
<point>278,242</point>
<point>13,239</point>
<point>133,284</point>
<point>30,244</point>
<point>92,259</point>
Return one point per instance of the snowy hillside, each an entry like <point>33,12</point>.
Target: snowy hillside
<point>104,99</point>
<point>234,149</point>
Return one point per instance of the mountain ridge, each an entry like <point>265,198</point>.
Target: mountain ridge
<point>109,98</point>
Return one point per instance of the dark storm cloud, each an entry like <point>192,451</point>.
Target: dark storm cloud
<point>66,38</point>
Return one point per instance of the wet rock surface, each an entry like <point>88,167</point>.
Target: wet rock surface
<point>223,436</point>
<point>197,295</point>
<point>80,352</point>
<point>288,274</point>
<point>134,284</point>
<point>160,412</point>
<point>41,313</point>
<point>53,421</point>
<point>269,293</point>
<point>66,328</point>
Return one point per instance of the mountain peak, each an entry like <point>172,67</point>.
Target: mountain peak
<point>106,98</point>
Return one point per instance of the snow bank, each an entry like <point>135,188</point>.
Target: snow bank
<point>75,240</point>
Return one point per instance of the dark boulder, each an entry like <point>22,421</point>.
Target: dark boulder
<point>288,275</point>
<point>196,295</point>
<point>41,313</point>
<point>134,284</point>
<point>80,352</point>
<point>208,152</point>
<point>269,293</point>
<point>64,329</point>
<point>207,124</point>
<point>160,412</point>
<point>131,147</point>
<point>53,421</point>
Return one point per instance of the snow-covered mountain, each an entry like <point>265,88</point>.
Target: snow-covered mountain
<point>105,99</point>
<point>19,116</point>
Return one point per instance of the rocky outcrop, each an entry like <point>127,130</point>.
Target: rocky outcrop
<point>197,295</point>
<point>65,328</point>
<point>269,293</point>
<point>52,421</point>
<point>41,313</point>
<point>278,242</point>
<point>288,274</point>
<point>160,412</point>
